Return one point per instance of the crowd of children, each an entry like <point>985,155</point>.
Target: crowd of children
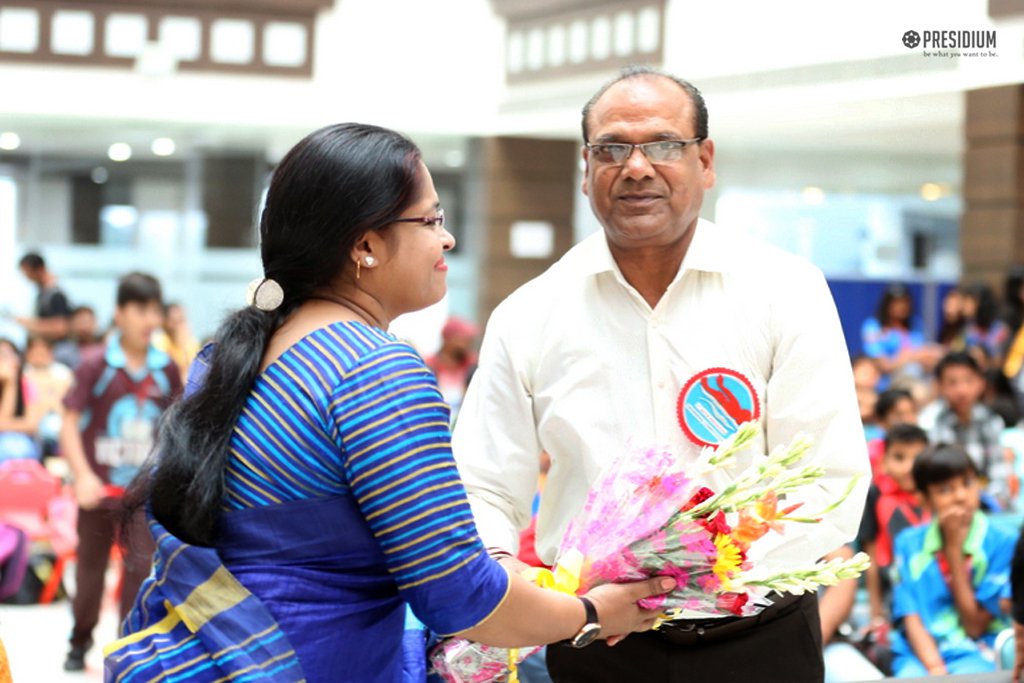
<point>943,513</point>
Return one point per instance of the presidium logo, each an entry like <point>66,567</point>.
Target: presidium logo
<point>911,39</point>
<point>952,43</point>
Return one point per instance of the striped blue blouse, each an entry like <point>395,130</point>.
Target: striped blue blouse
<point>349,410</point>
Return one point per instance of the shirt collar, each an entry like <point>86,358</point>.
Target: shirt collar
<point>155,359</point>
<point>972,544</point>
<point>978,413</point>
<point>708,251</point>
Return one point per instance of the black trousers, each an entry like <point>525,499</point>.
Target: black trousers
<point>97,533</point>
<point>784,647</point>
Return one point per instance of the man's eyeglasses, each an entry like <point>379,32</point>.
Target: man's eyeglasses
<point>657,152</point>
<point>436,221</point>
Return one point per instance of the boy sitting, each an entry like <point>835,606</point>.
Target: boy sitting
<point>959,416</point>
<point>892,506</point>
<point>951,579</point>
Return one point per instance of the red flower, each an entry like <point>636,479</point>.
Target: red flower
<point>733,602</point>
<point>716,524</point>
<point>703,494</point>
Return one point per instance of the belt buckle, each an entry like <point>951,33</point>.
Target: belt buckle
<point>690,627</point>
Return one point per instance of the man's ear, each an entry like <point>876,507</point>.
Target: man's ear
<point>586,170</point>
<point>707,161</point>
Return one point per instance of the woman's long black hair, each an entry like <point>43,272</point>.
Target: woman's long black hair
<point>16,384</point>
<point>986,311</point>
<point>332,187</point>
<point>892,293</point>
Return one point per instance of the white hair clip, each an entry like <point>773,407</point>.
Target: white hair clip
<point>264,293</point>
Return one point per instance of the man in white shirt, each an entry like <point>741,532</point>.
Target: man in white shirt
<point>665,331</point>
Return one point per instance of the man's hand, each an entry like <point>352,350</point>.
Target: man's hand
<point>89,491</point>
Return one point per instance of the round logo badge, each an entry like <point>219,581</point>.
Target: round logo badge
<point>911,39</point>
<point>714,403</point>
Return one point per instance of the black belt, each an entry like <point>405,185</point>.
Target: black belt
<point>688,632</point>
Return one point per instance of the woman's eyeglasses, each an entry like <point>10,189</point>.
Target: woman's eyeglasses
<point>436,221</point>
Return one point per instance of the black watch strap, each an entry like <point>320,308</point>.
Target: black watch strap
<point>591,611</point>
<point>591,630</point>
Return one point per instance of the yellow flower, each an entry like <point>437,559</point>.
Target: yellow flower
<point>728,560</point>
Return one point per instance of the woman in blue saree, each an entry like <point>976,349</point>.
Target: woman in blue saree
<point>306,492</point>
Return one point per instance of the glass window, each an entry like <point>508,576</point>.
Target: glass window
<point>232,41</point>
<point>126,35</point>
<point>624,33</point>
<point>600,38</point>
<point>19,29</point>
<point>72,33</point>
<point>284,44</point>
<point>182,37</point>
<point>648,30</point>
<point>578,41</point>
<point>556,45</point>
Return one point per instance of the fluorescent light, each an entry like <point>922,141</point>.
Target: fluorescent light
<point>931,192</point>
<point>10,141</point>
<point>163,147</point>
<point>120,151</point>
<point>813,195</point>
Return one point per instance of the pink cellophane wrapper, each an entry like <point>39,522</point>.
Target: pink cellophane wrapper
<point>457,660</point>
<point>632,527</point>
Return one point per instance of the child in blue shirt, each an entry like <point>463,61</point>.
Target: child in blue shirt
<point>951,580</point>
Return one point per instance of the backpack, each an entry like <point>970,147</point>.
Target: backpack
<point>14,548</point>
<point>38,569</point>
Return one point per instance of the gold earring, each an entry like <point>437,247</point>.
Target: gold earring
<point>358,264</point>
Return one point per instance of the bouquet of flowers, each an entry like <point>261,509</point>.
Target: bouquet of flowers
<point>645,516</point>
<point>457,660</point>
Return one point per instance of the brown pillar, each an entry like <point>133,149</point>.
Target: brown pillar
<point>992,231</point>
<point>519,179</point>
<point>86,202</point>
<point>230,198</point>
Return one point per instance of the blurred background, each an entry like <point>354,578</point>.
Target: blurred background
<point>140,133</point>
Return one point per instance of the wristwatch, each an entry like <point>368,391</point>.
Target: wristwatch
<point>591,630</point>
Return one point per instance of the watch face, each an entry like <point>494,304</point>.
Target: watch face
<point>587,635</point>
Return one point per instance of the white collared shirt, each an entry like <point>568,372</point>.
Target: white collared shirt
<point>577,364</point>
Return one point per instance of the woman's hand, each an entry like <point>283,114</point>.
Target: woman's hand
<point>617,611</point>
